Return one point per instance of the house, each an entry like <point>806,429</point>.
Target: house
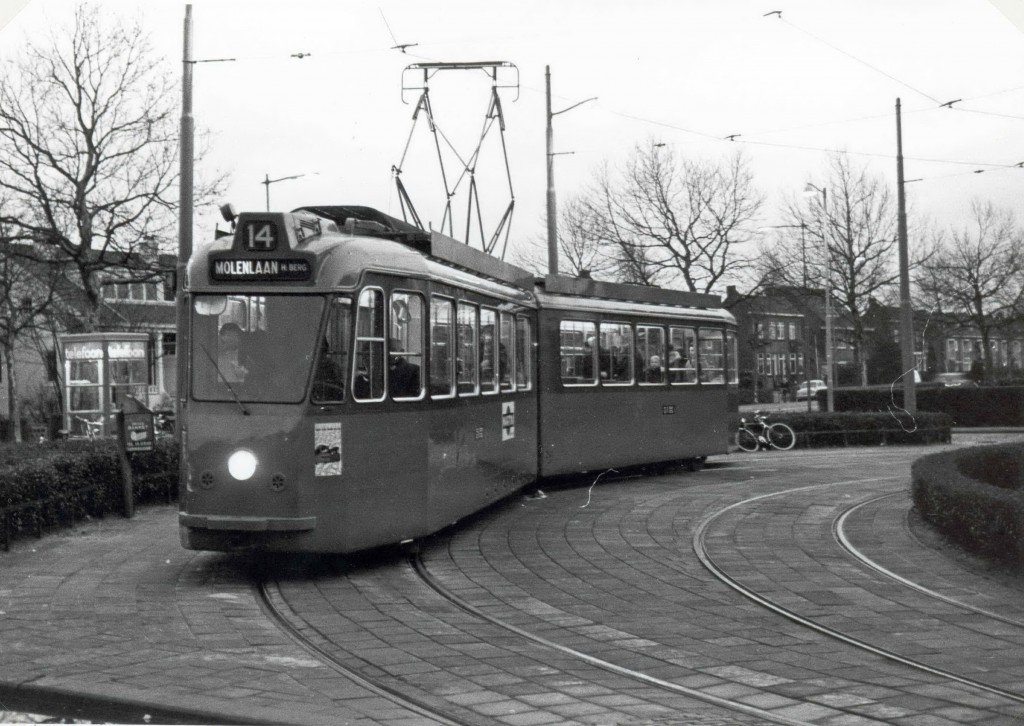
<point>57,391</point>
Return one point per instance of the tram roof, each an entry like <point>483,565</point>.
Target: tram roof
<point>370,222</point>
<point>367,223</point>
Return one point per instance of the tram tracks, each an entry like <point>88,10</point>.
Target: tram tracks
<point>300,632</point>
<point>274,604</point>
<point>416,563</point>
<point>839,534</point>
<point>708,561</point>
<point>651,676</point>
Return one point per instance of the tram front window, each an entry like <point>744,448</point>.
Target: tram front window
<point>253,347</point>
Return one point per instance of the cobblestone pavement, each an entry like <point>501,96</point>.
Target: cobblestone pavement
<point>115,609</point>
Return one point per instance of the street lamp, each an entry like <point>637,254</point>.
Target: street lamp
<point>811,189</point>
<point>552,217</point>
<point>267,181</point>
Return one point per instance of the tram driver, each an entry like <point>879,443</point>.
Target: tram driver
<point>228,353</point>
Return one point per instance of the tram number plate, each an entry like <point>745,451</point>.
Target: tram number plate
<point>668,409</point>
<point>260,236</point>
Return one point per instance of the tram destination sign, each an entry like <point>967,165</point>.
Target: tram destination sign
<point>233,269</point>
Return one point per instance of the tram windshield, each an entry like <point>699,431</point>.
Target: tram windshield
<point>253,347</point>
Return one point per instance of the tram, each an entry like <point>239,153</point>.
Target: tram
<point>354,381</point>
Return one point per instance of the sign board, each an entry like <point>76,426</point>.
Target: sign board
<point>138,432</point>
<point>508,420</point>
<point>227,269</point>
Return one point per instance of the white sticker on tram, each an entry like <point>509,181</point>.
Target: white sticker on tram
<point>508,420</point>
<point>327,449</point>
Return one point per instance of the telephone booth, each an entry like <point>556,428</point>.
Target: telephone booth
<point>99,370</point>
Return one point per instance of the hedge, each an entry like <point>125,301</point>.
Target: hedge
<point>49,485</point>
<point>967,405</point>
<point>975,497</point>
<point>862,429</point>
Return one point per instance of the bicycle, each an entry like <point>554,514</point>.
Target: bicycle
<point>93,429</point>
<point>770,435</point>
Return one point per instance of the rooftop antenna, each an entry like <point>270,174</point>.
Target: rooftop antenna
<point>416,78</point>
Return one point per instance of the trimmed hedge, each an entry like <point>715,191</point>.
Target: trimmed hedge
<point>975,497</point>
<point>862,429</point>
<point>967,405</point>
<point>50,485</point>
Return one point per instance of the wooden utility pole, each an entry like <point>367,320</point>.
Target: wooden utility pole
<point>184,224</point>
<point>552,218</point>
<point>906,311</point>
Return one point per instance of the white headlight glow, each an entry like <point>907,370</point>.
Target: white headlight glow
<point>242,464</point>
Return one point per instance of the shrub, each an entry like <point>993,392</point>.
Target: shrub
<point>975,497</point>
<point>968,406</point>
<point>50,484</point>
<point>864,429</point>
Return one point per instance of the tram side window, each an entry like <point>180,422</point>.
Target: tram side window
<point>578,352</point>
<point>712,356</point>
<point>616,353</point>
<point>650,344</point>
<point>442,362</point>
<point>332,358</point>
<point>405,346</point>
<point>524,353</point>
<point>468,355</point>
<point>682,355</point>
<point>506,352</point>
<point>732,357</point>
<point>488,351</point>
<point>368,380</point>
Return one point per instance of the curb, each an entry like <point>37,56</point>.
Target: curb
<point>97,702</point>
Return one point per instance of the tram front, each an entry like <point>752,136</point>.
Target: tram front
<point>261,336</point>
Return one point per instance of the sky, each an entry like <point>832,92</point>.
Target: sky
<point>790,81</point>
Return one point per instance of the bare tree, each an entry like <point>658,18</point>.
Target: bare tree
<point>849,233</point>
<point>976,274</point>
<point>26,295</point>
<point>671,221</point>
<point>88,149</point>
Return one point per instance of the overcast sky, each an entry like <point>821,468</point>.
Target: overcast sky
<point>687,73</point>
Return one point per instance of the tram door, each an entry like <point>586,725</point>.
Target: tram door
<point>386,455</point>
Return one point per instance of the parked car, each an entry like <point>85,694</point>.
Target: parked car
<point>954,379</point>
<point>815,386</point>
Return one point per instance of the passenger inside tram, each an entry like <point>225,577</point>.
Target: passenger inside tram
<point>403,377</point>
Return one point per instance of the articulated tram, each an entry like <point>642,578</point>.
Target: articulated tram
<point>354,381</point>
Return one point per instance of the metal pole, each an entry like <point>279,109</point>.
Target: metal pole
<point>552,216</point>
<point>829,361</point>
<point>806,327</point>
<point>266,185</point>
<point>906,311</point>
<point>184,223</point>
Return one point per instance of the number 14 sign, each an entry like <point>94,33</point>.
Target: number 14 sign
<point>259,236</point>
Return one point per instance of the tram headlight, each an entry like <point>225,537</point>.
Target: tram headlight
<point>242,464</point>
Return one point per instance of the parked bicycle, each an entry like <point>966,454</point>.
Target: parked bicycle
<point>758,434</point>
<point>91,430</point>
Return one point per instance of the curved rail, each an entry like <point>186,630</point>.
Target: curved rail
<point>708,562</point>
<point>839,534</point>
<point>272,603</point>
<point>416,562</point>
